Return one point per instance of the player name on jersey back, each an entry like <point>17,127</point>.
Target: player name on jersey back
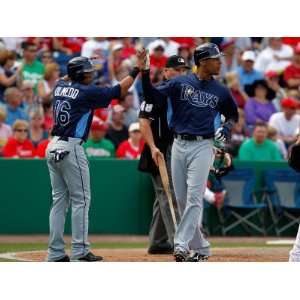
<point>69,92</point>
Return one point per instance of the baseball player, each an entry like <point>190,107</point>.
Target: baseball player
<point>295,252</point>
<point>197,100</point>
<point>159,139</point>
<point>74,99</point>
<point>294,162</point>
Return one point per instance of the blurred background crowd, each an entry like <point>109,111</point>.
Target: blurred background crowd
<point>263,75</point>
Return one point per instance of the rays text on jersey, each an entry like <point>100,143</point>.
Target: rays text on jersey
<point>197,97</point>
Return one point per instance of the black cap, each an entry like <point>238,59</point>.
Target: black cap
<point>176,61</point>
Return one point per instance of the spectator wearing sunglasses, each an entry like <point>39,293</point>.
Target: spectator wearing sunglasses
<point>30,101</point>
<point>46,57</point>
<point>19,145</point>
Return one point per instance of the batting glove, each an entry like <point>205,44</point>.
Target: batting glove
<point>222,134</point>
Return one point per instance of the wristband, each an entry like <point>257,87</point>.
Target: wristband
<point>134,72</point>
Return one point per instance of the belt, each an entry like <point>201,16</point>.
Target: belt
<point>66,139</point>
<point>191,137</point>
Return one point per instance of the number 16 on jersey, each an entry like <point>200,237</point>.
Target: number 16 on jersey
<point>61,112</point>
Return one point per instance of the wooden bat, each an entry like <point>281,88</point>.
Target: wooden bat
<point>166,185</point>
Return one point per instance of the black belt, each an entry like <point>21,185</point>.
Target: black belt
<point>66,139</point>
<point>191,137</point>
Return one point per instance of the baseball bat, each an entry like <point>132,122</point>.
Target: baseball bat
<point>166,185</point>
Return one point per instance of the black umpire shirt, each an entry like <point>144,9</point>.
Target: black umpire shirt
<point>156,111</point>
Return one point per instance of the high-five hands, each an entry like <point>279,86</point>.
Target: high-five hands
<point>143,59</point>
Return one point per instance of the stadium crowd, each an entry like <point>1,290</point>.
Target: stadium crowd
<point>263,75</point>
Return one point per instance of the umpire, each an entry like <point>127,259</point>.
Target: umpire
<point>155,130</point>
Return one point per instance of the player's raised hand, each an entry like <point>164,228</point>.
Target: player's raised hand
<point>143,59</point>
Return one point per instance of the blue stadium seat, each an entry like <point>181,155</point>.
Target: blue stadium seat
<point>283,188</point>
<point>241,203</point>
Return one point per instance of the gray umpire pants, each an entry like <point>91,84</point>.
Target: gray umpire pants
<point>191,161</point>
<point>70,181</point>
<point>162,228</point>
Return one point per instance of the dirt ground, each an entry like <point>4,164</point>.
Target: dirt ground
<point>127,239</point>
<point>236,253</point>
<point>140,255</point>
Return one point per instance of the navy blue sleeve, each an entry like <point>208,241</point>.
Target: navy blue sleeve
<point>97,97</point>
<point>228,107</point>
<point>155,94</point>
<point>165,88</point>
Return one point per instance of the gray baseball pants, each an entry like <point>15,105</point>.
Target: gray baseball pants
<point>70,181</point>
<point>191,161</point>
<point>295,252</point>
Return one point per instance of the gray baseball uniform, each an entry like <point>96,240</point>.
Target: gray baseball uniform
<point>162,227</point>
<point>73,105</point>
<point>194,109</point>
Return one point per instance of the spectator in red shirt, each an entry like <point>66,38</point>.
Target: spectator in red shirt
<point>48,116</point>
<point>157,58</point>
<point>131,148</point>
<point>19,145</point>
<point>292,41</point>
<point>185,40</point>
<point>292,72</point>
<point>102,113</point>
<point>68,45</point>
<point>128,47</point>
<point>42,146</point>
<point>5,130</point>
